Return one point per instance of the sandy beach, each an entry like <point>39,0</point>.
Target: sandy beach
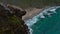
<point>30,13</point>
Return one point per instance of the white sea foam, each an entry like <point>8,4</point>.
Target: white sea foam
<point>33,20</point>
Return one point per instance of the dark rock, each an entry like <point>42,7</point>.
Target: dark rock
<point>11,20</point>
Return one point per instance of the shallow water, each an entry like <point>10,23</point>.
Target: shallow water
<point>47,22</point>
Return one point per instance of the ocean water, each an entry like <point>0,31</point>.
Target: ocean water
<point>47,22</point>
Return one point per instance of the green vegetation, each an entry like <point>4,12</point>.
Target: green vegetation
<point>32,3</point>
<point>11,21</point>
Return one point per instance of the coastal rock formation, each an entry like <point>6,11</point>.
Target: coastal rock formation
<point>11,20</point>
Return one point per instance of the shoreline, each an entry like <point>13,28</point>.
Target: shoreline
<point>31,13</point>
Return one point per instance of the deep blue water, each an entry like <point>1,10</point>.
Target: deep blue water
<point>49,24</point>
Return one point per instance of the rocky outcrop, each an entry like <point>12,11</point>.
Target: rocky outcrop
<point>11,20</point>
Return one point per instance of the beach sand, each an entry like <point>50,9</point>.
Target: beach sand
<point>31,12</point>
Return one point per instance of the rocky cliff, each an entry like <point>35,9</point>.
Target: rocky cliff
<point>11,20</point>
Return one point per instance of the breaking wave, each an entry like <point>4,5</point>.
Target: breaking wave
<point>46,11</point>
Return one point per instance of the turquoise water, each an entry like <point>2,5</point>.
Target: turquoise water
<point>47,25</point>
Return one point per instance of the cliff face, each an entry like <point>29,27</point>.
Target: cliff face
<point>11,20</point>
